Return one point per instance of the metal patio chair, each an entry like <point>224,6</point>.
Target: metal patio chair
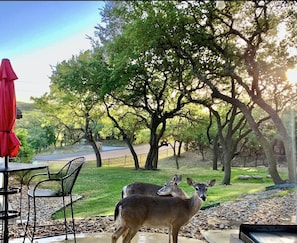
<point>64,181</point>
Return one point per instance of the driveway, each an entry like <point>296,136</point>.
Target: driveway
<point>106,153</point>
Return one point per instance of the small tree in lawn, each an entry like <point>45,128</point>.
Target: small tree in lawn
<point>71,99</point>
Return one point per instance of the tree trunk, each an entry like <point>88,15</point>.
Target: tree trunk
<point>174,147</point>
<point>227,159</point>
<point>153,154</point>
<point>287,140</point>
<point>215,153</point>
<point>272,165</point>
<point>176,162</point>
<point>152,157</point>
<point>155,136</point>
<point>228,147</point>
<point>132,150</point>
<point>97,153</point>
<point>179,148</point>
<point>125,137</point>
<point>176,155</point>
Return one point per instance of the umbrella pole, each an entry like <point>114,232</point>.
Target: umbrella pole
<point>5,187</point>
<point>6,161</point>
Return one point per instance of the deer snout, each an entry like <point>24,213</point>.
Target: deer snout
<point>203,197</point>
<point>160,192</point>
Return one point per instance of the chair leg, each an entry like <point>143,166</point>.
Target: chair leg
<point>34,218</point>
<point>27,233</point>
<point>65,221</point>
<point>72,216</point>
<point>31,234</point>
<point>27,223</point>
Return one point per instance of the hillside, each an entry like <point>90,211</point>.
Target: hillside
<point>24,107</point>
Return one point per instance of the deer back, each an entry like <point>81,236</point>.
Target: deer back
<point>140,188</point>
<point>147,189</point>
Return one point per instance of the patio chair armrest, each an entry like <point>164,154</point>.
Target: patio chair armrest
<point>36,175</point>
<point>55,175</point>
<point>48,180</point>
<point>42,182</point>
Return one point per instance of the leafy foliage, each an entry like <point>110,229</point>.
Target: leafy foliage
<point>154,58</point>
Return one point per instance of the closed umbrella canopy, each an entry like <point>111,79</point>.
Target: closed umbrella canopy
<point>9,143</point>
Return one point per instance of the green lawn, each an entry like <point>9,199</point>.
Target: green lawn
<point>101,187</point>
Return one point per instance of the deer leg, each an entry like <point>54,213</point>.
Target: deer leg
<point>129,235</point>
<point>116,235</point>
<point>169,234</point>
<point>175,234</point>
<point>125,233</point>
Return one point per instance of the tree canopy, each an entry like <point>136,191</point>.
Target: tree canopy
<point>155,59</point>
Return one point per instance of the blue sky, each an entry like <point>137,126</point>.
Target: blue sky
<point>38,34</point>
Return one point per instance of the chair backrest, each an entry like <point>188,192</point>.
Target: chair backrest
<point>69,174</point>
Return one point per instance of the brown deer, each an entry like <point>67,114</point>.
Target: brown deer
<point>146,189</point>
<point>173,212</point>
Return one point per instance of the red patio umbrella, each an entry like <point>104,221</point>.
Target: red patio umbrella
<point>9,143</point>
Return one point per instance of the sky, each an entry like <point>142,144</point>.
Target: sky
<point>36,35</point>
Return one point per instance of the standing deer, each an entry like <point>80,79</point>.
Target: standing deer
<point>146,189</point>
<point>138,210</point>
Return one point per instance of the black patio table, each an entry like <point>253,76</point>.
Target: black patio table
<point>5,191</point>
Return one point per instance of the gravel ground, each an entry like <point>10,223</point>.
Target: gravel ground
<point>263,208</point>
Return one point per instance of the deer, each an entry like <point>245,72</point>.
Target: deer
<point>138,210</point>
<point>146,189</point>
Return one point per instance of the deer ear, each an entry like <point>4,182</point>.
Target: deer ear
<point>211,182</point>
<point>178,179</point>
<point>190,181</point>
<point>174,178</point>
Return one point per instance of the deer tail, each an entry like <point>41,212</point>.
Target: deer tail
<point>117,210</point>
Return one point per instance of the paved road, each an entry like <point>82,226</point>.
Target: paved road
<point>107,152</point>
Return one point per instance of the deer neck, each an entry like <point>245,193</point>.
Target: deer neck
<point>195,202</point>
<point>179,194</point>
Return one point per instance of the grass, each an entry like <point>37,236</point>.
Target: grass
<point>101,187</point>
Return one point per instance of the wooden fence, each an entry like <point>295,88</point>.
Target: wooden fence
<point>129,162</point>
